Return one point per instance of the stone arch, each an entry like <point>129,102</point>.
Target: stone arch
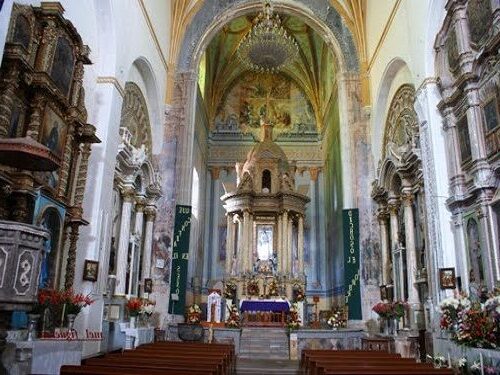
<point>141,72</point>
<point>396,73</point>
<point>319,14</point>
<point>135,117</point>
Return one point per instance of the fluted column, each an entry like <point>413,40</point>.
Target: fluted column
<point>384,244</point>
<point>411,256</point>
<point>229,243</point>
<point>150,213</point>
<point>300,246</point>
<point>239,255</point>
<point>128,194</point>
<point>393,215</point>
<point>140,203</point>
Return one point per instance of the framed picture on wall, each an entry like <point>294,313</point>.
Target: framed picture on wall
<point>447,278</point>
<point>90,270</point>
<point>53,132</point>
<point>148,285</point>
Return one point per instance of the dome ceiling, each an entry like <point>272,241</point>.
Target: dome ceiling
<point>311,77</point>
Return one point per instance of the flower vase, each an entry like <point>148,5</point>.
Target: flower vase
<point>71,321</point>
<point>132,321</point>
<point>32,323</point>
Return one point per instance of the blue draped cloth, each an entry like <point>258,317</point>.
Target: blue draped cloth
<point>274,306</point>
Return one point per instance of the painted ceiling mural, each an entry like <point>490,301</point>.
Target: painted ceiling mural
<point>297,101</point>
<point>257,97</point>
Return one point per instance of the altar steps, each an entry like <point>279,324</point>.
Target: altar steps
<point>267,367</point>
<point>264,343</point>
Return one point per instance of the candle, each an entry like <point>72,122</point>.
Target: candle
<point>481,362</point>
<point>62,317</point>
<point>449,360</point>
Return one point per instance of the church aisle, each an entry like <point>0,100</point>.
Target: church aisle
<point>250,366</point>
<point>264,343</point>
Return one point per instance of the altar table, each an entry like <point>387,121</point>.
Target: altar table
<point>264,312</point>
<point>265,305</point>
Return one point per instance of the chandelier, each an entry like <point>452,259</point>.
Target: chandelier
<point>267,48</point>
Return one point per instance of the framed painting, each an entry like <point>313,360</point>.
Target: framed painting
<point>90,270</point>
<point>148,285</point>
<point>447,278</point>
<point>54,131</point>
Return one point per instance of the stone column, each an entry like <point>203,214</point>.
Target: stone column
<point>250,242</point>
<point>229,244</point>
<point>490,262</point>
<point>215,173</point>
<point>150,212</point>
<point>411,256</point>
<point>245,240</point>
<point>314,257</point>
<point>393,214</point>
<point>285,242</point>
<point>290,247</point>
<point>239,254</point>
<point>139,216</point>
<point>128,194</point>
<point>300,246</point>
<point>280,244</point>
<point>384,244</point>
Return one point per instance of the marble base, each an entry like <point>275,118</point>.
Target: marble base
<point>446,347</point>
<point>221,335</point>
<point>341,339</point>
<point>135,337</point>
<point>40,356</point>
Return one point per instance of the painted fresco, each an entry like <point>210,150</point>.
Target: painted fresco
<point>260,96</point>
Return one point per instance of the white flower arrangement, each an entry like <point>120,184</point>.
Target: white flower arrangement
<point>194,309</point>
<point>147,309</point>
<point>462,362</point>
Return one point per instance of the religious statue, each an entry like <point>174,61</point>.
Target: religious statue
<point>214,307</point>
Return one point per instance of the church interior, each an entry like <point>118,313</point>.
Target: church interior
<point>249,187</point>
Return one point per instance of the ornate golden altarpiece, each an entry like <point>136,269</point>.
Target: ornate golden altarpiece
<point>45,139</point>
<point>265,217</point>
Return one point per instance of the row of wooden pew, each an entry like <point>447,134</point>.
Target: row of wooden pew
<point>166,357</point>
<point>344,362</point>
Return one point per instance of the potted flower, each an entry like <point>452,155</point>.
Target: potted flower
<point>192,330</point>
<point>336,319</point>
<point>230,290</point>
<point>233,321</point>
<point>293,322</point>
<point>298,293</point>
<point>390,311</point>
<point>147,309</point>
<point>134,306</point>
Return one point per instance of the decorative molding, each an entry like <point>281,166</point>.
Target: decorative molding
<point>114,81</point>
<point>153,34</point>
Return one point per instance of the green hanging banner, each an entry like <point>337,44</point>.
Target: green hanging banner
<point>350,220</point>
<point>180,256</point>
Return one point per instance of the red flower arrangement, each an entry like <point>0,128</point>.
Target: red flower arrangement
<point>62,299</point>
<point>390,310</point>
<point>134,306</point>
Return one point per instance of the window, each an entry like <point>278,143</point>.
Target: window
<point>266,181</point>
<point>490,111</point>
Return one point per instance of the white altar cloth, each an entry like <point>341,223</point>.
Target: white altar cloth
<point>137,336</point>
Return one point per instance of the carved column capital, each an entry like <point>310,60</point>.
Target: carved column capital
<point>140,203</point>
<point>128,193</point>
<point>407,198</point>
<point>215,172</point>
<point>393,205</point>
<point>314,172</point>
<point>150,212</point>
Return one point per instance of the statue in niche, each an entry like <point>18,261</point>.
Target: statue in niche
<point>476,272</point>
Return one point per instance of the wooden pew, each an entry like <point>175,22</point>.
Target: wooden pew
<point>101,370</point>
<point>162,358</point>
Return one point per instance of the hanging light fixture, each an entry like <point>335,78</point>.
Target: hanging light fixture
<point>267,48</point>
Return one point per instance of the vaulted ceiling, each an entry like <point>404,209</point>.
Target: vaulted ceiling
<point>313,71</point>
